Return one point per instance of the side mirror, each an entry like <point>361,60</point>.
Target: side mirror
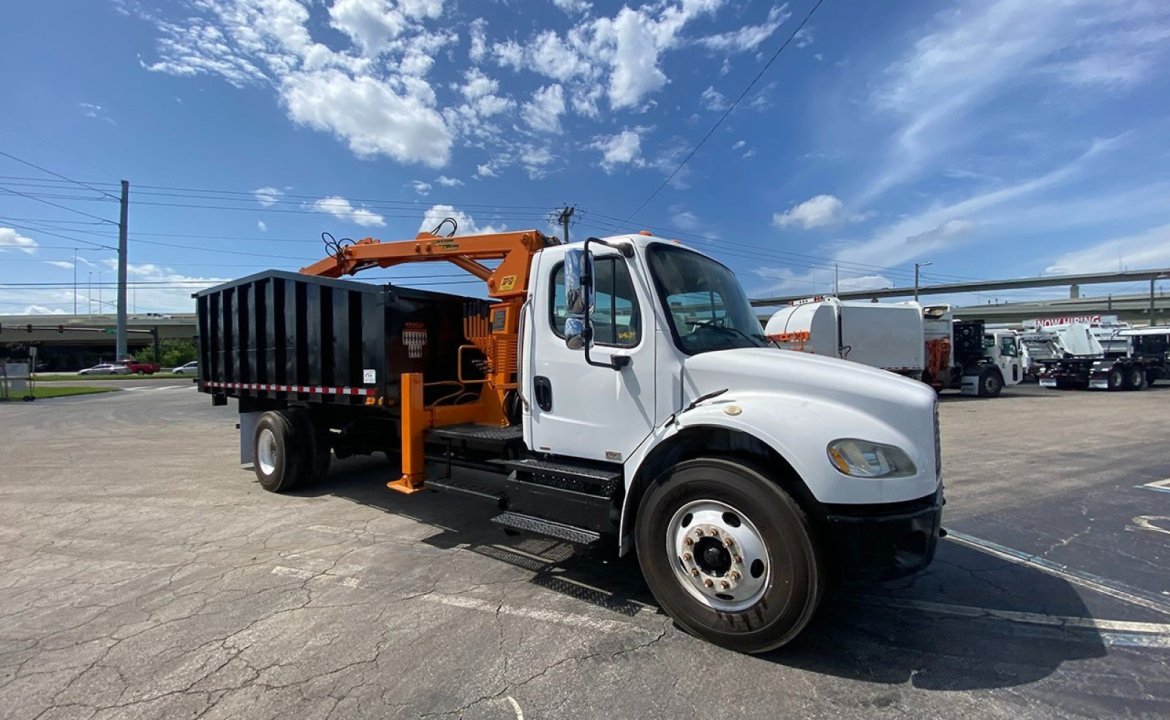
<point>579,282</point>
<point>578,298</point>
<point>576,333</point>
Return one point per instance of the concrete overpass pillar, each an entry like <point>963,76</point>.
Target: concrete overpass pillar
<point>1074,291</point>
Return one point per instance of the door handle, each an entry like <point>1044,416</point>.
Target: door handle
<point>542,392</point>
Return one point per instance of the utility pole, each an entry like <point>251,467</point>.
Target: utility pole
<point>120,338</point>
<point>564,216</point>
<point>75,282</point>
<point>836,279</point>
<point>89,293</point>
<point>916,267</point>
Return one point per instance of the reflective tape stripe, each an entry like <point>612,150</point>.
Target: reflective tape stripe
<point>318,390</point>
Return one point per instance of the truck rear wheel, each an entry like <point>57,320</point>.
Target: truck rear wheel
<point>282,456</point>
<point>1116,379</point>
<point>990,382</point>
<point>729,555</point>
<point>1135,378</point>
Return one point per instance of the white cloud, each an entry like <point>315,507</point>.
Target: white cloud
<point>573,7</point>
<point>738,144</point>
<point>535,160</point>
<point>369,115</point>
<point>945,231</point>
<point>817,211</point>
<point>623,148</point>
<point>467,224</point>
<point>804,37</point>
<point>552,57</point>
<point>976,54</point>
<point>713,100</point>
<point>1147,249</point>
<point>41,310</point>
<point>420,187</point>
<point>485,170</point>
<point>477,33</point>
<point>91,110</point>
<point>267,196</point>
<point>509,54</point>
<point>63,264</point>
<point>261,226</point>
<point>544,112</point>
<point>448,181</point>
<point>749,37</point>
<point>10,238</point>
<point>341,208</point>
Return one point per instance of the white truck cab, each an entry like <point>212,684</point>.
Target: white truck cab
<point>646,354</point>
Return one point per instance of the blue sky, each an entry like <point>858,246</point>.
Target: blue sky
<point>992,139</point>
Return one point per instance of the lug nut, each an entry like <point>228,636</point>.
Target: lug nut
<point>699,532</point>
<point>688,542</point>
<point>724,585</point>
<point>695,572</point>
<point>729,542</point>
<point>734,575</point>
<point>739,559</point>
<point>708,583</point>
<point>714,533</point>
<point>687,557</point>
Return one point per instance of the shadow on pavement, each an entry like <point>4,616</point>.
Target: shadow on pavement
<point>890,633</point>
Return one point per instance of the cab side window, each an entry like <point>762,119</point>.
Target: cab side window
<point>617,320</point>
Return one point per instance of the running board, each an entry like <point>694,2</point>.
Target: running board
<point>548,528</point>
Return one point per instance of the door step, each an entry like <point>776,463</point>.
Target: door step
<point>591,479</point>
<point>548,528</point>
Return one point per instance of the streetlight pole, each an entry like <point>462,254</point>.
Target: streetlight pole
<point>89,293</point>
<point>75,282</point>
<point>918,265</point>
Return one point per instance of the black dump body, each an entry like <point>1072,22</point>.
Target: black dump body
<point>278,337</point>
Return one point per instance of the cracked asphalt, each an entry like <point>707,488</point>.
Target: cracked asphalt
<point>144,574</point>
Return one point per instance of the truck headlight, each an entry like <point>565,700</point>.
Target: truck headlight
<point>860,458</point>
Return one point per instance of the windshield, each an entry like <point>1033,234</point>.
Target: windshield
<point>705,303</point>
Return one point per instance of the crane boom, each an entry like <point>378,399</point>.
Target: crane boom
<point>493,330</point>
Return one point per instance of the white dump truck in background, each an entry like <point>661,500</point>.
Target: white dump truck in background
<point>924,343</point>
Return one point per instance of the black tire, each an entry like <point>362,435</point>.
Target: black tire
<point>1116,379</point>
<point>793,585</point>
<point>1136,378</point>
<point>289,457</point>
<point>990,382</point>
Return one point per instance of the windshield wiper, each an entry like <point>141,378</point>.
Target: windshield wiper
<point>733,329</point>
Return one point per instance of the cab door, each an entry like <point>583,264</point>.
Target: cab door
<point>580,410</point>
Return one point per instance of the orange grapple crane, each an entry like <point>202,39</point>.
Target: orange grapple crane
<point>495,335</point>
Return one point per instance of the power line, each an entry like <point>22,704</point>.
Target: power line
<point>56,205</point>
<point>729,110</point>
<point>57,174</point>
<point>58,235</point>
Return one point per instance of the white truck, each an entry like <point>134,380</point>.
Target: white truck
<point>1080,356</point>
<point>923,343</point>
<point>615,391</point>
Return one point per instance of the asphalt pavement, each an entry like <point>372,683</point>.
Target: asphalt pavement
<point>144,573</point>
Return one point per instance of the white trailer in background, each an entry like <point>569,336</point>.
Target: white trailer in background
<point>887,335</point>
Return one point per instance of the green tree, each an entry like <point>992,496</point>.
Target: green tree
<point>171,353</point>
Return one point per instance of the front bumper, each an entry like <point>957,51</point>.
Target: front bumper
<point>871,543</point>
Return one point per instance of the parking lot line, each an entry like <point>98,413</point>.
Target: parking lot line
<point>552,616</point>
<point>1096,583</point>
<point>1157,486</point>
<point>1161,630</point>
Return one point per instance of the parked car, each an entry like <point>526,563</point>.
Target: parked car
<point>140,368</point>
<point>191,368</point>
<point>105,369</point>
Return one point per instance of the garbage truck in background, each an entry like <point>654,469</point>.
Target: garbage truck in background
<point>615,391</point>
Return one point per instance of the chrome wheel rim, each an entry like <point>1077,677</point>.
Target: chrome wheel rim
<point>718,555</point>
<point>266,451</point>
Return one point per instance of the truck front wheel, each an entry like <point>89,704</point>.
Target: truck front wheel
<point>990,382</point>
<point>729,555</point>
<point>281,455</point>
<point>1116,379</point>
